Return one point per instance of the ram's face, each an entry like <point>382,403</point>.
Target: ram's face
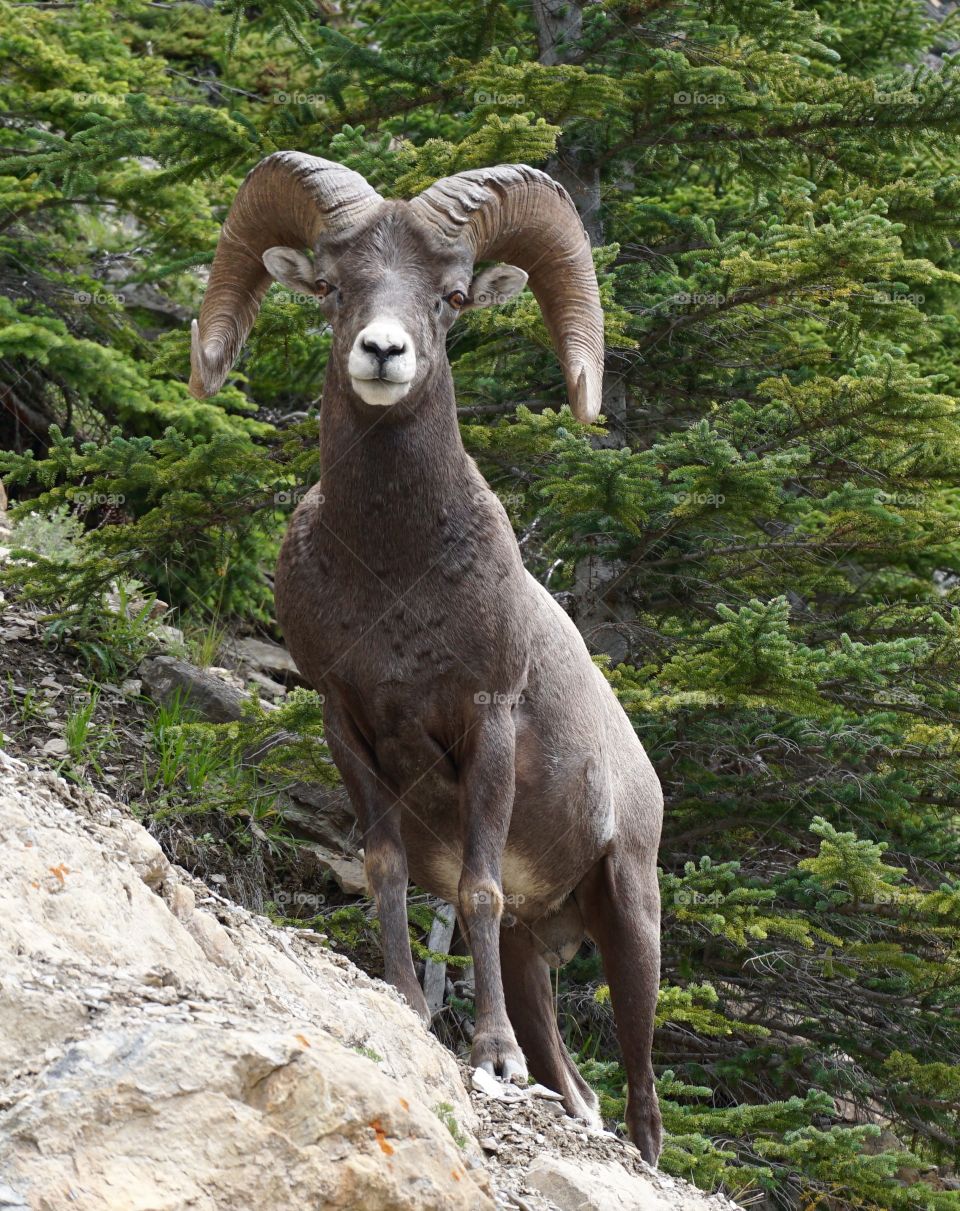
<point>391,294</point>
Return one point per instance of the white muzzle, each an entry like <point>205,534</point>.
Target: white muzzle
<point>382,362</point>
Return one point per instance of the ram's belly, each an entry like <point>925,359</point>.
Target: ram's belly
<point>543,861</point>
<point>525,888</point>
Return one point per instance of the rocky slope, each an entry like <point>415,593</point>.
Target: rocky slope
<point>164,1050</point>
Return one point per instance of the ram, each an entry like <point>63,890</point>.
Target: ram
<point>484,753</point>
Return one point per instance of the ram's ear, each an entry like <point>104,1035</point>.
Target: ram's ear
<point>291,268</point>
<point>496,285</point>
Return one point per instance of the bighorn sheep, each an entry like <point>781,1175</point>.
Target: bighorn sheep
<point>483,751</point>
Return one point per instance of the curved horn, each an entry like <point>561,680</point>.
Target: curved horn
<point>519,214</point>
<point>291,199</point>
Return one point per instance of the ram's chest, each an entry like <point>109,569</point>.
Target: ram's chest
<point>373,610</point>
<point>368,635</point>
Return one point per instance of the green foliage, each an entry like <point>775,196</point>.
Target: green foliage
<point>287,740</point>
<point>768,523</point>
<point>199,517</point>
<point>369,1053</point>
<point>421,918</point>
<point>83,747</point>
<point>445,1113</point>
<point>235,770</point>
<point>51,535</point>
<point>350,927</point>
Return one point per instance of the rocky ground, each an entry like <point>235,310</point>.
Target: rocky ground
<point>162,1049</point>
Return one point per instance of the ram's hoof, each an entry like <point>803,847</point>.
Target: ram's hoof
<point>499,1056</point>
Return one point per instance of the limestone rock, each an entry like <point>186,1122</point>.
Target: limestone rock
<point>168,1114</point>
<point>263,654</point>
<point>162,1049</point>
<point>165,676</point>
<point>348,873</point>
<point>592,1186</point>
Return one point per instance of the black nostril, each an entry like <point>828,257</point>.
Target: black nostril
<point>379,352</point>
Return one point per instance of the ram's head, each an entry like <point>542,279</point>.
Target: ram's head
<point>393,276</point>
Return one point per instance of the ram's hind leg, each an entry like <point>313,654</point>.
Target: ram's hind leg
<point>526,983</point>
<point>620,903</point>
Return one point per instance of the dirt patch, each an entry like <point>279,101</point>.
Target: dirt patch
<point>44,685</point>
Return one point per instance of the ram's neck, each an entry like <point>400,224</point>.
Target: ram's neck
<point>404,463</point>
<point>402,502</point>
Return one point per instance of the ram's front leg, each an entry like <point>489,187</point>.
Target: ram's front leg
<point>385,858</point>
<point>486,804</point>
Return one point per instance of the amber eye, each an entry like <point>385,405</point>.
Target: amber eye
<point>322,287</point>
<point>457,300</point>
